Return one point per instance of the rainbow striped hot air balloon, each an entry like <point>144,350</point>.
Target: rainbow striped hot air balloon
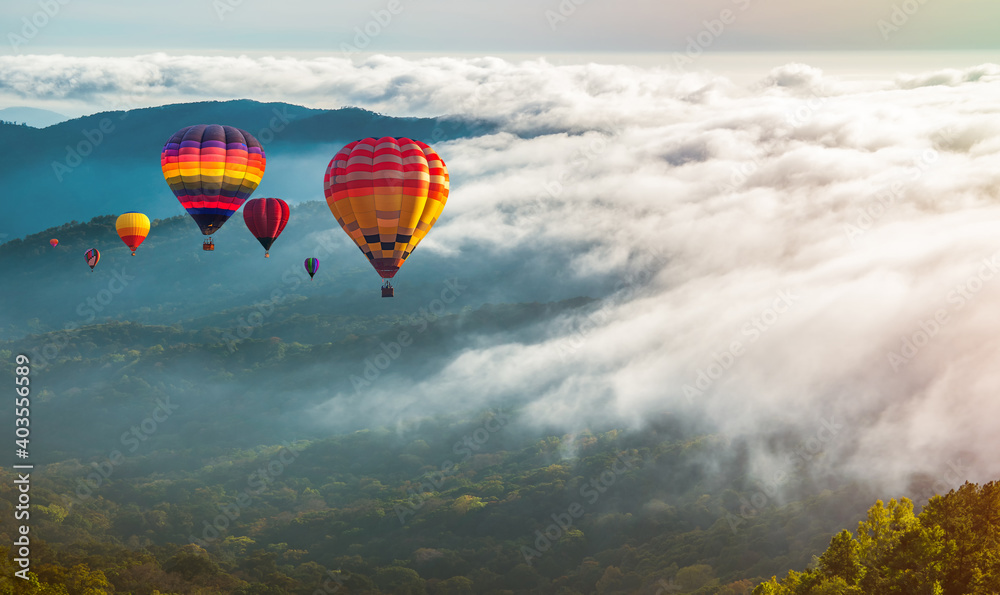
<point>386,194</point>
<point>312,265</point>
<point>93,257</point>
<point>212,169</point>
<point>132,228</point>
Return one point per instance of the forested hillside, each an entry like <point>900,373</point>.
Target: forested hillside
<point>952,548</point>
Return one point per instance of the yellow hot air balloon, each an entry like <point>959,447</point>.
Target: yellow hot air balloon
<point>386,194</point>
<point>132,228</point>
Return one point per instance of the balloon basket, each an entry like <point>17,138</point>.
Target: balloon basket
<point>208,245</point>
<point>387,290</point>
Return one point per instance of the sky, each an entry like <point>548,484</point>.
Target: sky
<point>801,208</point>
<point>79,27</point>
<point>738,39</point>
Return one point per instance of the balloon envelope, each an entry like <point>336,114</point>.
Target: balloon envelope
<point>93,257</point>
<point>265,218</point>
<point>386,194</point>
<point>132,228</point>
<point>54,242</point>
<point>312,265</point>
<point>212,169</point>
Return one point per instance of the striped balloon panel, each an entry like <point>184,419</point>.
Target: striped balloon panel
<point>212,169</point>
<point>93,257</point>
<point>266,218</point>
<point>386,194</point>
<point>312,265</point>
<point>132,228</point>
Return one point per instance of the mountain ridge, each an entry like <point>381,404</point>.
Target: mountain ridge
<point>100,163</point>
<point>32,116</point>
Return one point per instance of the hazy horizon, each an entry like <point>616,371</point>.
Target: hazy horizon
<point>740,68</point>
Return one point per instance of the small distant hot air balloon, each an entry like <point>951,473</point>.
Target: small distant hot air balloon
<point>212,169</point>
<point>312,265</point>
<point>265,218</point>
<point>93,257</point>
<point>386,194</point>
<point>132,228</point>
<point>54,242</point>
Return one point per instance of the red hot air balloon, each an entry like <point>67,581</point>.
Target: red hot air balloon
<point>265,218</point>
<point>54,242</point>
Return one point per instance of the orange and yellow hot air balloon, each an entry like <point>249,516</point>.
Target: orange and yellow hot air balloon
<point>386,194</point>
<point>132,228</point>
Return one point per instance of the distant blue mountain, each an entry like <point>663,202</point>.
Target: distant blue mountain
<point>108,163</point>
<point>37,118</point>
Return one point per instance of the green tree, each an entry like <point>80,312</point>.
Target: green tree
<point>878,537</point>
<point>81,580</point>
<point>842,559</point>
<point>398,579</point>
<point>971,535</point>
<point>771,587</point>
<point>456,585</point>
<point>692,578</point>
<point>610,581</point>
<point>192,563</point>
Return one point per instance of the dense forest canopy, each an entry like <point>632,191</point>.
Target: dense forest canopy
<point>211,500</point>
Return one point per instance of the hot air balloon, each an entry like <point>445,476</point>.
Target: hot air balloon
<point>386,194</point>
<point>93,257</point>
<point>265,218</point>
<point>312,265</point>
<point>54,242</point>
<point>212,169</point>
<point>132,228</point>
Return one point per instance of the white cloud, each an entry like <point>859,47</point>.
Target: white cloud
<point>871,201</point>
<point>732,244</point>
